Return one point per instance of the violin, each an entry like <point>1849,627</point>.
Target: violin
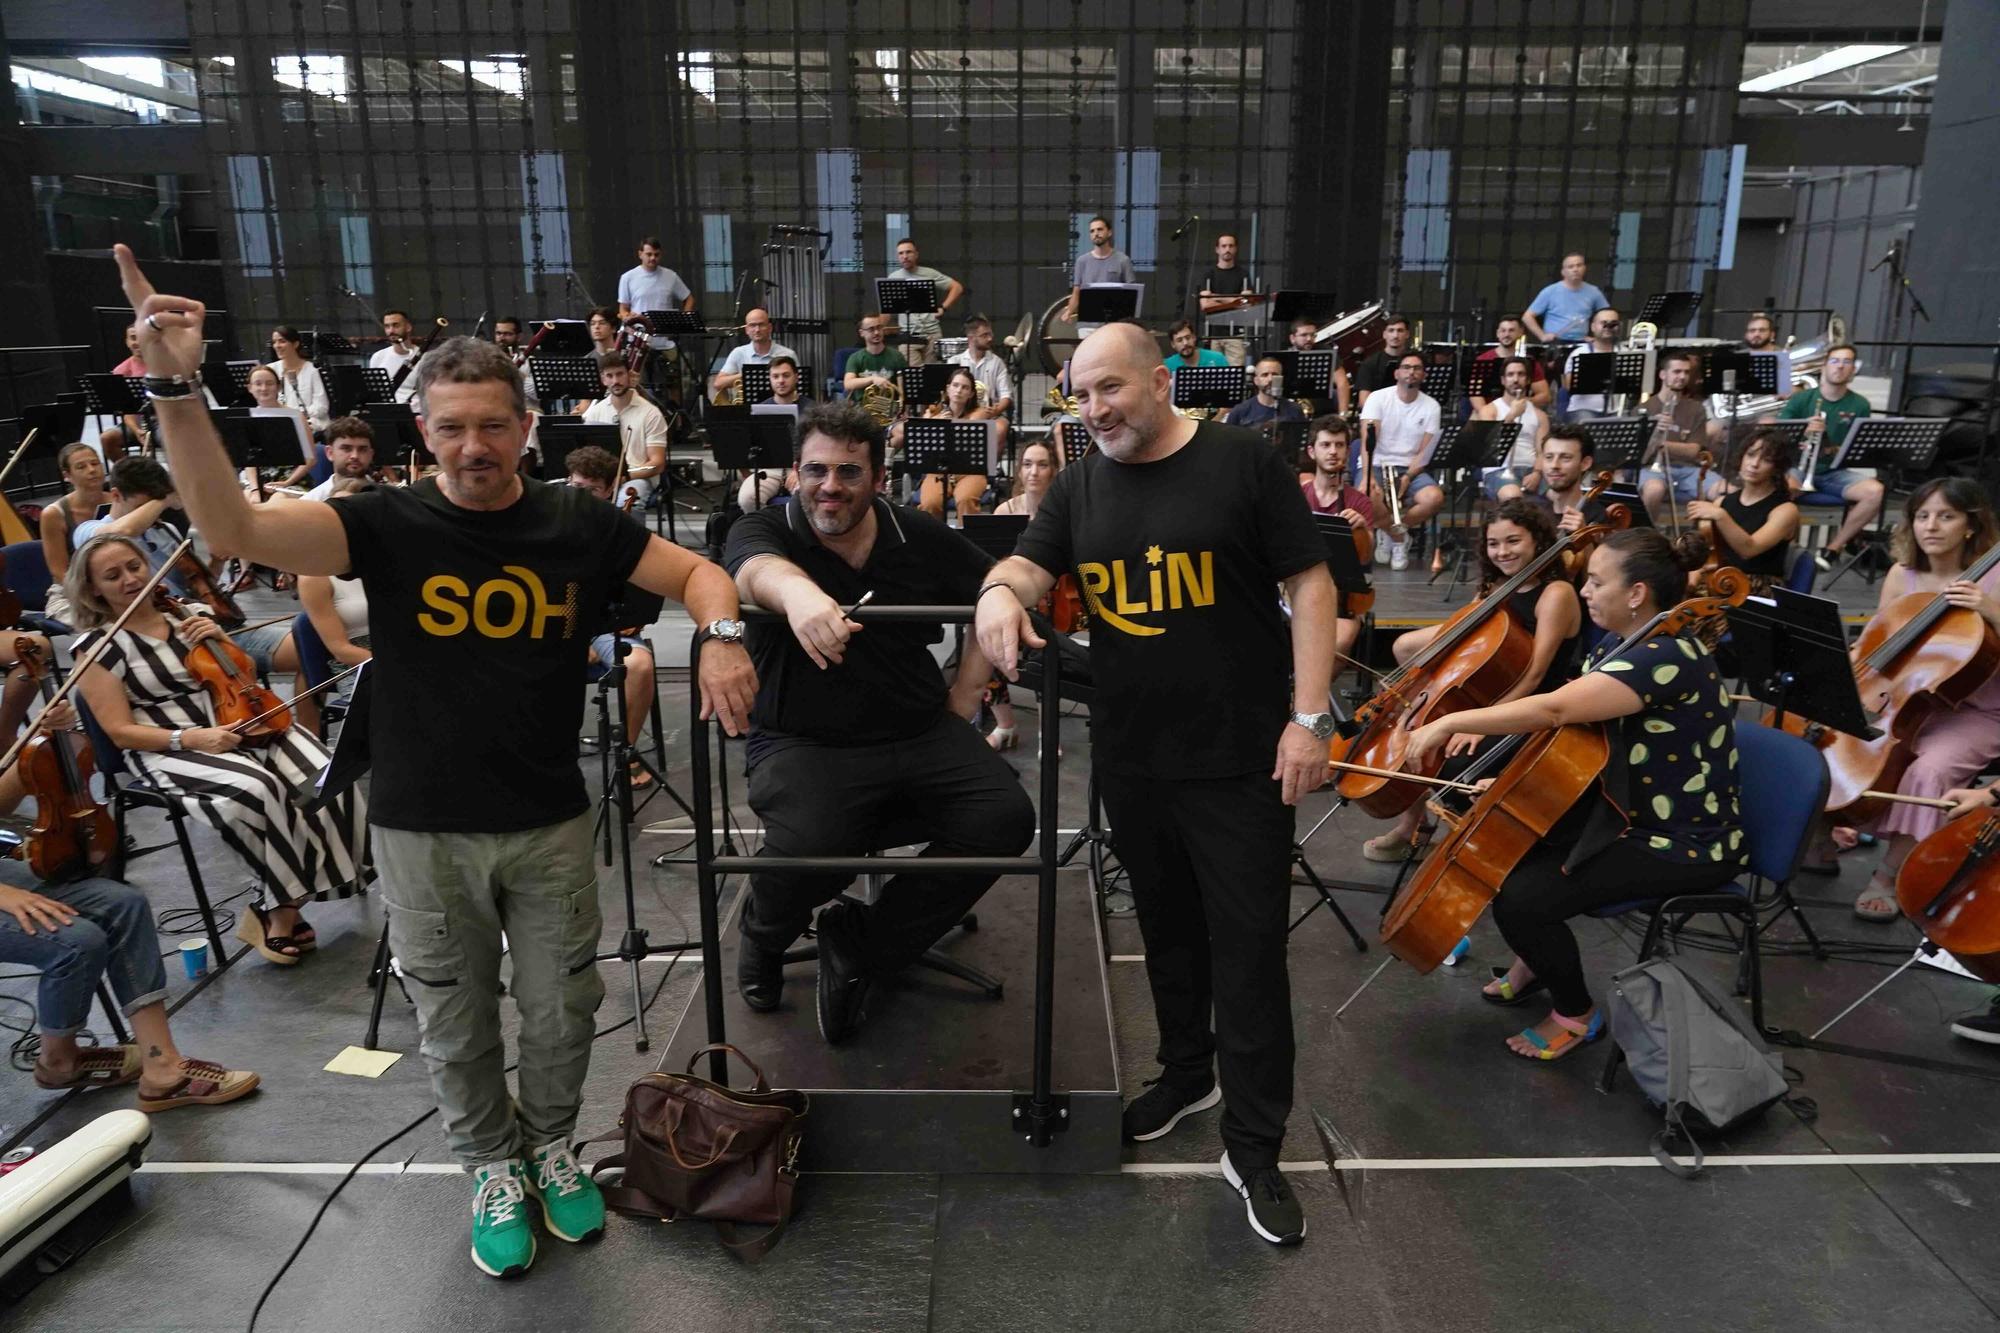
<point>1356,604</point>
<point>1477,656</point>
<point>1949,888</point>
<point>1546,773</point>
<point>1064,605</point>
<point>230,677</point>
<point>191,574</point>
<point>1919,657</point>
<point>72,832</point>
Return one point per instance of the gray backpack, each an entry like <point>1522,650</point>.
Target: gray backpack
<point>1694,1056</point>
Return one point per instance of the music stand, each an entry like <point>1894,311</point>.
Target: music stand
<point>1793,651</point>
<point>1220,387</point>
<point>1624,493</point>
<point>1756,372</point>
<point>1897,444</point>
<point>1670,312</point>
<point>560,439</point>
<point>258,442</point>
<point>676,323</point>
<point>1618,443</point>
<point>1287,437</point>
<point>756,383</point>
<point>923,385</point>
<point>114,395</point>
<point>568,338</point>
<point>1289,304</point>
<point>906,296</point>
<point>228,382</point>
<point>1442,387</point>
<point>998,534</point>
<point>937,447</point>
<point>1739,431</point>
<point>58,424</point>
<point>1609,373</point>
<point>561,378</point>
<point>1307,374</point>
<point>1107,303</point>
<point>329,342</point>
<point>1469,448</point>
<point>1075,443</point>
<point>397,435</point>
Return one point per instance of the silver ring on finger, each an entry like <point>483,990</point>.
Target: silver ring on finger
<point>153,323</point>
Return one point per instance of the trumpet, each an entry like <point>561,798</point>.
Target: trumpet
<point>1393,490</point>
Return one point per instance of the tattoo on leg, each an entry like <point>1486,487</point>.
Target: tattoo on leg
<point>153,1051</point>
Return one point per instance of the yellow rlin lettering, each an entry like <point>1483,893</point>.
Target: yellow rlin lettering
<point>1126,606</point>
<point>1201,588</point>
<point>1096,580</point>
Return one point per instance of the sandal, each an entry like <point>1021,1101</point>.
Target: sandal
<point>304,936</point>
<point>254,929</point>
<point>201,1084</point>
<point>96,1067</point>
<point>1389,848</point>
<point>1876,892</point>
<point>637,777</point>
<point>1003,738</point>
<point>1501,991</point>
<point>1573,1035</point>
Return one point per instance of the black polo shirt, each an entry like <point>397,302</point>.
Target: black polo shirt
<point>889,687</point>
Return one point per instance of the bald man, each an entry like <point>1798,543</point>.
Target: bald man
<point>1210,723</point>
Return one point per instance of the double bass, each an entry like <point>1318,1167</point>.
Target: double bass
<point>1477,656</point>
<point>1545,774</point>
<point>1919,657</point>
<point>1949,888</point>
<point>72,832</point>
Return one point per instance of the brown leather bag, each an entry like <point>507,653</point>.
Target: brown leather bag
<point>699,1149</point>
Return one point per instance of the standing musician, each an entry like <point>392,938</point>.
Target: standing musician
<point>1516,404</point>
<point>1188,350</point>
<point>83,933</point>
<point>1327,491</point>
<point>1948,524</point>
<point>399,353</point>
<point>1507,335</point>
<point>1831,411</point>
<point>1211,722</point>
<point>1228,296</point>
<point>1398,431</point>
<point>1517,532</point>
<point>1304,336</point>
<point>1663,821</point>
<point>960,403</point>
<point>83,470</point>
<point>925,326</point>
<point>145,694</point>
<point>649,286</point>
<point>756,352</point>
<point>1034,473</point>
<point>1562,311</point>
<point>642,427</point>
<point>475,582</point>
<point>854,745</point>
<point>1268,405</point>
<point>1752,526</point>
<point>1101,263</point>
<point>1680,432</point>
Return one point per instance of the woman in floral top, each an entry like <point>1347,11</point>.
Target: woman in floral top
<point>1661,821</point>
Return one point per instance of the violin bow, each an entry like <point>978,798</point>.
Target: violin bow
<point>19,451</point>
<point>97,650</point>
<point>242,727</point>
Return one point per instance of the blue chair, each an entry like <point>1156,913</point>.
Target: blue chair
<point>1790,779</point>
<point>136,793</point>
<point>833,381</point>
<point>28,578</point>
<point>1800,573</point>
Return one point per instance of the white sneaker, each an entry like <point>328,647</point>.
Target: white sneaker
<point>1399,554</point>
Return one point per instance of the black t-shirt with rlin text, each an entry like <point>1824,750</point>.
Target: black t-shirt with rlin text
<point>887,686</point>
<point>1180,562</point>
<point>480,624</point>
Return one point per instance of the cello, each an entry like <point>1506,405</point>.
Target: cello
<point>1545,775</point>
<point>72,832</point>
<point>1918,658</point>
<point>1949,888</point>
<point>1478,655</point>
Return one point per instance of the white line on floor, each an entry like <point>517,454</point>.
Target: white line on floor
<point>1128,958</point>
<point>1579,1163</point>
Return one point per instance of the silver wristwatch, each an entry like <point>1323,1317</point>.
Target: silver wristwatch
<point>1319,724</point>
<point>174,742</point>
<point>723,631</point>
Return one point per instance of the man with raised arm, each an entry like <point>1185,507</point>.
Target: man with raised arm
<point>482,589</point>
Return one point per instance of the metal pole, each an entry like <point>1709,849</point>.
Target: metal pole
<point>704,869</point>
<point>1042,1111</point>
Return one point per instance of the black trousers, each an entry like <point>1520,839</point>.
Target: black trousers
<point>1538,899</point>
<point>946,785</point>
<point>1210,865</point>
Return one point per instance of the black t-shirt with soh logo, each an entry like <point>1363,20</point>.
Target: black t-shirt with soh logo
<point>1179,561</point>
<point>480,622</point>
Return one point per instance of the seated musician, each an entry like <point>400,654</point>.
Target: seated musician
<point>1034,473</point>
<point>1188,350</point>
<point>1683,429</point>
<point>1830,411</point>
<point>1327,492</point>
<point>642,427</point>
<point>592,469</point>
<point>1754,523</point>
<point>1401,425</point>
<point>1981,1025</point>
<point>350,450</point>
<point>1662,820</point>
<point>876,364</point>
<point>1508,332</point>
<point>147,698</point>
<point>83,471</point>
<point>1567,462</point>
<point>1305,338</point>
<point>266,393</point>
<point>759,351</point>
<point>1517,531</point>
<point>853,744</point>
<point>1515,404</point>
<point>960,403</point>
<point>83,933</point>
<point>1269,403</point>
<point>1948,523</point>
<point>761,488</point>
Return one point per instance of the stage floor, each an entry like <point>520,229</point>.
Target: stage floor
<point>1470,1190</point>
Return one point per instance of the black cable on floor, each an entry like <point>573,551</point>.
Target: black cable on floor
<point>355,1170</point>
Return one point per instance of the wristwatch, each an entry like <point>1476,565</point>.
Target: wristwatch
<point>165,388</point>
<point>722,631</point>
<point>174,742</point>
<point>1319,724</point>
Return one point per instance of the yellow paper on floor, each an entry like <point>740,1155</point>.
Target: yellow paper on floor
<point>362,1063</point>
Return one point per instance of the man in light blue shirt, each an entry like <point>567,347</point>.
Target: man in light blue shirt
<point>1561,311</point>
<point>651,287</point>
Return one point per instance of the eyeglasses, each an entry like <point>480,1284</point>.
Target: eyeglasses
<point>1841,361</point>
<point>848,473</point>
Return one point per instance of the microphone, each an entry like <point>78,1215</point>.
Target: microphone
<point>1182,230</point>
<point>1729,381</point>
<point>481,323</point>
<point>1890,256</point>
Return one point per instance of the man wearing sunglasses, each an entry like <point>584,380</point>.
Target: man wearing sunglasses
<point>853,744</point>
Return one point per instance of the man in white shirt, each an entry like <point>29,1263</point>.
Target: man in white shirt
<point>400,353</point>
<point>350,447</point>
<point>757,352</point>
<point>925,326</point>
<point>1604,327</point>
<point>1516,403</point>
<point>651,287</point>
<point>642,429</point>
<point>987,366</point>
<point>1399,429</point>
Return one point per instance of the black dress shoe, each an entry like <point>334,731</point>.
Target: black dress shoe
<point>843,986</point>
<point>760,974</point>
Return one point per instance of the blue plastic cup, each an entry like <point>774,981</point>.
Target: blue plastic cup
<point>194,957</point>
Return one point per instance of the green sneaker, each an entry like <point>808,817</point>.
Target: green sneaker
<point>503,1239</point>
<point>572,1206</point>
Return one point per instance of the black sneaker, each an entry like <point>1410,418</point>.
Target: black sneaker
<point>1154,1113</point>
<point>843,989</point>
<point>760,974</point>
<point>1980,1027</point>
<point>1274,1210</point>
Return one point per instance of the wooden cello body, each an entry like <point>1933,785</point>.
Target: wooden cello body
<point>1920,657</point>
<point>1949,888</point>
